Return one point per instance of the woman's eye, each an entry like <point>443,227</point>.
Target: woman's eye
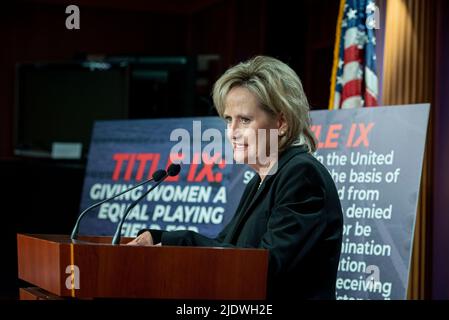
<point>228,120</point>
<point>245,120</point>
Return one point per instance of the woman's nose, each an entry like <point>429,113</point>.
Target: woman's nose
<point>234,130</point>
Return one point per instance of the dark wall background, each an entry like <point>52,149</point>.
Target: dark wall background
<point>440,221</point>
<point>300,33</point>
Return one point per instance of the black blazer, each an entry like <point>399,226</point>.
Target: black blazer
<point>296,215</point>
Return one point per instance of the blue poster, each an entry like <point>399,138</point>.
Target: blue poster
<point>375,157</point>
<point>201,198</point>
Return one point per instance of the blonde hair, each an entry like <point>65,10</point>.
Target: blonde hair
<point>278,89</point>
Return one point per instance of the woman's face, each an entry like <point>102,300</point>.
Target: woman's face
<point>247,124</point>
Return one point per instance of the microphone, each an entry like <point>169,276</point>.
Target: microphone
<point>157,175</point>
<point>173,170</point>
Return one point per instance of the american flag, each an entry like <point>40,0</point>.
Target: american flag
<point>354,79</point>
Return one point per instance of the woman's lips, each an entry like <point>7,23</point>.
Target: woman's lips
<point>240,146</point>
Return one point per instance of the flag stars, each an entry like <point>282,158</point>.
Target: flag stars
<point>339,80</point>
<point>340,63</point>
<point>352,13</point>
<point>371,7</point>
<point>371,22</point>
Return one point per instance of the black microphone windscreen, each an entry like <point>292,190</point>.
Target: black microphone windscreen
<point>173,170</point>
<point>159,175</point>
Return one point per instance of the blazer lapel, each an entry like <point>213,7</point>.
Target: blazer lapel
<point>248,194</point>
<point>256,191</point>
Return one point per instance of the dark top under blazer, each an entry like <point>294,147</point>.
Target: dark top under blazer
<point>296,215</point>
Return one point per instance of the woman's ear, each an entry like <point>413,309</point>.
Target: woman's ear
<point>282,125</point>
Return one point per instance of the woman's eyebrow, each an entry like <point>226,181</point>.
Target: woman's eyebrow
<point>240,115</point>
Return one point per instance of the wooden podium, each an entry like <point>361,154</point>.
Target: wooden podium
<point>93,268</point>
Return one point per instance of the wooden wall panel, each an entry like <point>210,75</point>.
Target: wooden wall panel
<point>409,77</point>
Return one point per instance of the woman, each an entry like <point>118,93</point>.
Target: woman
<point>291,206</point>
